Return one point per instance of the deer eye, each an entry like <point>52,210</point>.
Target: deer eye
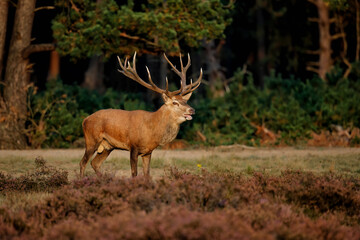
<point>175,103</point>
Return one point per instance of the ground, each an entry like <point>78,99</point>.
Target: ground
<point>238,191</point>
<point>235,158</point>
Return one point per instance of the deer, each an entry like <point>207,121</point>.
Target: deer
<point>138,131</point>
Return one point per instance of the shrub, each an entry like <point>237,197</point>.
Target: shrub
<point>44,178</point>
<point>56,114</point>
<point>181,205</point>
<point>289,107</point>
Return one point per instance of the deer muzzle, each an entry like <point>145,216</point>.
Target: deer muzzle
<point>190,112</point>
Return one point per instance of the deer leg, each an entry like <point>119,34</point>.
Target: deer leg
<point>146,164</point>
<point>98,160</point>
<point>133,161</point>
<point>88,153</point>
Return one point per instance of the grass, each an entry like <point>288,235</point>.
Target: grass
<point>346,164</point>
<point>16,165</point>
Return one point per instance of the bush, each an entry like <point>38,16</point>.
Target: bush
<point>56,114</point>
<point>43,179</point>
<point>289,107</point>
<point>181,205</point>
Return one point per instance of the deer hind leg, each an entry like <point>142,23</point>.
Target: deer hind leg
<point>134,154</point>
<point>88,153</point>
<point>99,159</point>
<point>146,164</point>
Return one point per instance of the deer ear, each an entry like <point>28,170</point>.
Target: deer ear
<point>165,97</point>
<point>187,96</point>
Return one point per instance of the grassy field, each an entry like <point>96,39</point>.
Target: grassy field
<point>257,193</point>
<point>344,161</point>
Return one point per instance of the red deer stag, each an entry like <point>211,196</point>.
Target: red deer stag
<point>139,132</point>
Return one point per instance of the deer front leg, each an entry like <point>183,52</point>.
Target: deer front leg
<point>134,153</point>
<point>146,164</point>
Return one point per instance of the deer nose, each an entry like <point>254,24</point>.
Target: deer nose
<point>192,111</point>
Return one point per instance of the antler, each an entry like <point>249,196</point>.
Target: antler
<point>130,71</point>
<point>185,89</point>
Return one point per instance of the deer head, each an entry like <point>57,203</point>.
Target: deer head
<point>175,101</point>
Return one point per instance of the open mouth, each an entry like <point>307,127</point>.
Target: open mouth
<point>187,116</point>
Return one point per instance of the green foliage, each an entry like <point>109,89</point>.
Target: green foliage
<point>87,28</point>
<point>287,106</point>
<point>56,114</point>
<point>54,117</point>
<point>342,5</point>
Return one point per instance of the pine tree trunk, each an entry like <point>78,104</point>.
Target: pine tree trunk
<point>260,37</point>
<point>325,61</point>
<point>54,67</point>
<point>12,126</point>
<point>215,75</point>
<point>94,75</point>
<point>95,72</point>
<point>4,8</point>
<point>357,5</point>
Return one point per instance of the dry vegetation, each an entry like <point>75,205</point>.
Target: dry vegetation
<point>204,202</point>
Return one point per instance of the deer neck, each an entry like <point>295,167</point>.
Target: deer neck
<point>168,126</point>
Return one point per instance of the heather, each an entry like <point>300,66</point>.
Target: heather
<point>44,178</point>
<point>183,205</point>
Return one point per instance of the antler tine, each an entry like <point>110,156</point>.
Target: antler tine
<point>130,72</point>
<point>181,64</point>
<point>156,88</point>
<point>172,65</point>
<point>134,63</point>
<point>193,86</point>
<point>184,70</point>
<point>181,74</point>
<point>188,63</point>
<point>167,85</point>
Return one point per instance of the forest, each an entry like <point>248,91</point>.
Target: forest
<point>276,72</point>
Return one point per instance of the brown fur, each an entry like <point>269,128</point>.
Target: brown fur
<point>138,131</point>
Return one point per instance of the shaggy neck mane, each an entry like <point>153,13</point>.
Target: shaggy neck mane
<point>166,124</point>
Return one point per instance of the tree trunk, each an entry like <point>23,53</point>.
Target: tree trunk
<point>94,75</point>
<point>4,8</point>
<point>54,67</point>
<point>12,125</point>
<point>260,36</point>
<point>325,61</point>
<point>215,75</point>
<point>325,38</point>
<point>357,5</point>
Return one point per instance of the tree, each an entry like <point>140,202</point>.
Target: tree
<point>325,61</point>
<point>86,28</point>
<point>339,9</point>
<point>16,82</point>
<point>4,8</point>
